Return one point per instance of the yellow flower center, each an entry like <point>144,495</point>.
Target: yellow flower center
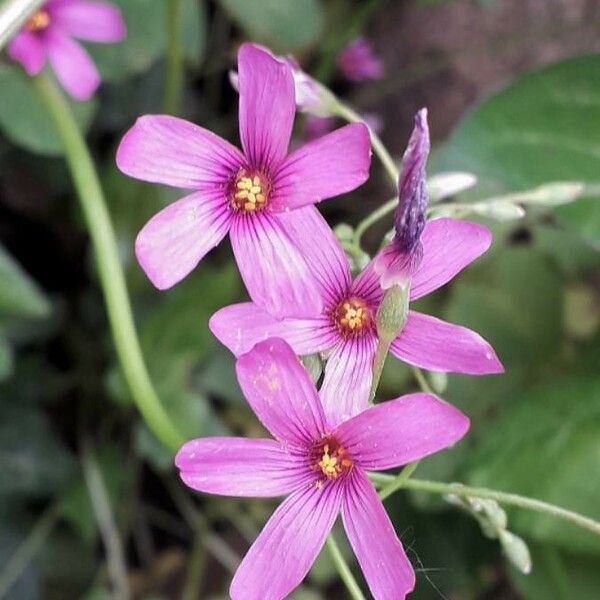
<point>250,192</point>
<point>352,316</point>
<point>331,460</point>
<point>40,20</point>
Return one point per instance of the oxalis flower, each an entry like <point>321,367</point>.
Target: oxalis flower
<point>49,34</point>
<point>261,197</point>
<point>345,331</point>
<point>322,467</point>
<point>358,61</point>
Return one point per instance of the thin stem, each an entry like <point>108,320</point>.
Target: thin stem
<point>437,487</point>
<point>196,564</point>
<point>378,147</point>
<point>112,279</point>
<point>343,569</point>
<point>23,555</point>
<point>421,380</point>
<point>174,80</point>
<point>371,219</point>
<point>13,15</point>
<point>399,481</point>
<point>106,523</point>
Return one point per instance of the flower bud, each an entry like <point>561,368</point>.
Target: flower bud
<point>392,312</point>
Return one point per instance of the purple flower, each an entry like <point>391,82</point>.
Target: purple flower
<point>345,330</point>
<point>322,468</point>
<point>397,262</point>
<point>49,34</point>
<point>262,197</point>
<point>358,61</point>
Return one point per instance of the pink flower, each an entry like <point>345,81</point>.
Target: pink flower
<point>322,468</point>
<point>49,34</point>
<point>397,262</point>
<point>358,61</point>
<point>262,197</point>
<point>345,330</point>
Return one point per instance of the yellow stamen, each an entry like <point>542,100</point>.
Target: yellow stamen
<point>352,316</point>
<point>40,20</point>
<point>252,194</point>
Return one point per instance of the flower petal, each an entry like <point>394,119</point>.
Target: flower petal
<point>281,393</point>
<point>89,20</point>
<point>371,534</point>
<point>267,106</point>
<point>175,239</point>
<point>273,267</point>
<point>322,251</point>
<point>240,467</point>
<point>168,150</point>
<point>433,344</point>
<point>328,166</point>
<point>241,326</point>
<point>73,66</point>
<point>367,286</point>
<point>348,378</point>
<point>449,245</point>
<point>28,49</point>
<point>288,545</point>
<point>400,431</point>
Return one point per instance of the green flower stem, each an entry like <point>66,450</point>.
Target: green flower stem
<point>343,569</point>
<point>397,482</point>
<point>112,279</point>
<point>421,379</point>
<point>174,81</point>
<point>458,489</point>
<point>350,115</point>
<point>17,563</point>
<point>13,15</point>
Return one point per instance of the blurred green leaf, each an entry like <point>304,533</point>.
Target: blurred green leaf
<point>19,294</point>
<point>286,25</point>
<point>537,130</point>
<point>33,461</point>
<point>545,445</point>
<point>194,31</point>
<point>6,359</point>
<point>24,118</point>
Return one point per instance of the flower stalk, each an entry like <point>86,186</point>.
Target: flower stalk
<point>458,489</point>
<point>112,279</point>
<point>174,80</point>
<point>343,568</point>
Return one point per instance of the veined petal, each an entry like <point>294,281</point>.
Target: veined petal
<point>73,66</point>
<point>371,534</point>
<point>400,431</point>
<point>240,467</point>
<point>328,166</point>
<point>175,239</point>
<point>89,20</point>
<point>281,393</point>
<point>367,285</point>
<point>168,150</point>
<point>433,344</point>
<point>241,326</point>
<point>28,49</point>
<point>322,251</point>
<point>273,268</point>
<point>449,245</point>
<point>267,106</point>
<point>288,545</point>
<point>348,378</point>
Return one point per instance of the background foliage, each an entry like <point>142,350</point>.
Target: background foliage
<point>535,296</point>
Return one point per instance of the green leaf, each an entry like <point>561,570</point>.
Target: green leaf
<point>194,31</point>
<point>19,294</point>
<point>539,129</point>
<point>286,25</point>
<point>6,359</point>
<point>24,118</point>
<point>33,461</point>
<point>545,445</point>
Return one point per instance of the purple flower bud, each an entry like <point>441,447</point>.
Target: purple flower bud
<point>397,262</point>
<point>358,61</point>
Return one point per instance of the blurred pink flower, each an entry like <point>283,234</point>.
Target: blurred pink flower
<point>345,330</point>
<point>321,466</point>
<point>263,197</point>
<point>49,34</point>
<point>397,262</point>
<point>358,61</point>
<point>316,127</point>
